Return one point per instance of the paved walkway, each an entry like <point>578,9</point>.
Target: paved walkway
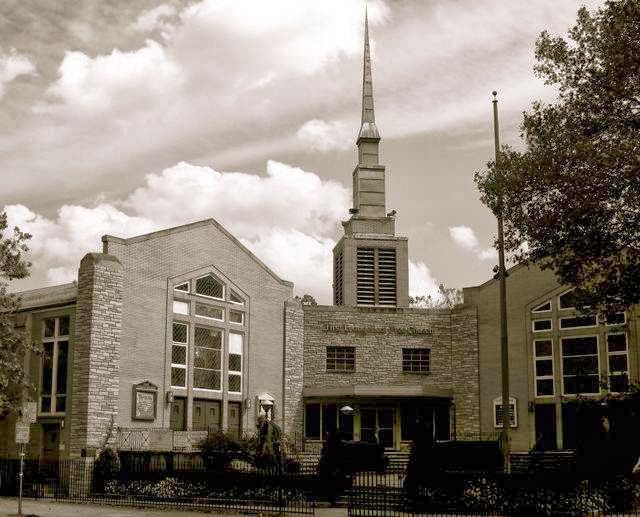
<point>52,508</point>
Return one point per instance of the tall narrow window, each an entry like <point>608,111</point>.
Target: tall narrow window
<point>580,365</point>
<point>618,357</point>
<point>207,358</point>
<point>387,276</point>
<point>235,362</point>
<point>179,355</point>
<point>366,276</point>
<point>55,359</point>
<point>543,359</point>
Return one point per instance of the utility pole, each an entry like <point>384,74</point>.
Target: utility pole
<point>501,275</point>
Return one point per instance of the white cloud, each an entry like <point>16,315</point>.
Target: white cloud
<point>422,282</point>
<point>326,136</point>
<point>287,218</point>
<point>120,81</point>
<point>466,238</point>
<point>13,65</point>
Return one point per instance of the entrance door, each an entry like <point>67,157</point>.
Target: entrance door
<point>50,443</point>
<point>235,419</point>
<point>545,427</point>
<point>206,415</point>
<point>376,425</point>
<point>177,418</point>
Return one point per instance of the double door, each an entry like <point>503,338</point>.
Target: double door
<point>207,415</point>
<point>377,426</point>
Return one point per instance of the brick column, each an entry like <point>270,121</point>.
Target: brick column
<point>293,367</point>
<point>96,360</point>
<point>466,371</point>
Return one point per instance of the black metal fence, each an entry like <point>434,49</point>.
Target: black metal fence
<point>154,482</point>
<point>390,493</point>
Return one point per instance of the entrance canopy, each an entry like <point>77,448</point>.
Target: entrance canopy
<point>376,390</point>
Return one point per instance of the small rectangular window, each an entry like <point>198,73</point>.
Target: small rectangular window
<point>341,358</point>
<point>236,317</point>
<point>207,311</point>
<point>616,318</point>
<point>578,321</point>
<point>542,325</point>
<point>416,360</point>
<point>180,307</point>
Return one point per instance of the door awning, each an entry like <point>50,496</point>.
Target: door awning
<point>376,390</point>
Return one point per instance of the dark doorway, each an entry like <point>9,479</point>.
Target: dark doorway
<point>206,415</point>
<point>50,443</point>
<point>177,419</point>
<point>569,428</point>
<point>545,427</point>
<point>235,419</point>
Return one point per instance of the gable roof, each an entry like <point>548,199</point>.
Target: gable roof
<point>190,226</point>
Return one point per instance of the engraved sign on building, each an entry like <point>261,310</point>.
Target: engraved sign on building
<point>145,396</point>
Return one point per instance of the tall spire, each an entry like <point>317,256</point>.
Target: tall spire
<point>368,129</point>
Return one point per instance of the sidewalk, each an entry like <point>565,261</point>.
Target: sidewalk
<point>52,508</point>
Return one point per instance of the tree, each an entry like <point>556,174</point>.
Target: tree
<point>13,344</point>
<point>571,200</point>
<point>447,299</point>
<point>306,299</point>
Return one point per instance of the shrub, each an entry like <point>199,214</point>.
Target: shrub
<point>106,467</point>
<point>219,449</point>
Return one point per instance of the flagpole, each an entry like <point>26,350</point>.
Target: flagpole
<point>502,276</point>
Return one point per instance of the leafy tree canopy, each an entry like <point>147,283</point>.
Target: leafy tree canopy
<point>448,298</point>
<point>571,200</point>
<point>306,299</point>
<point>13,345</point>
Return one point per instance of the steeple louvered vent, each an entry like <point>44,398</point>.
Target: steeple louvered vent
<point>386,276</point>
<point>376,276</point>
<point>338,286</point>
<point>366,276</point>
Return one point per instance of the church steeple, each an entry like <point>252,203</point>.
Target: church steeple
<point>369,136</point>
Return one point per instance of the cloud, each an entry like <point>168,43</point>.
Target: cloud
<point>13,65</point>
<point>325,136</point>
<point>287,217</point>
<point>465,237</point>
<point>137,79</point>
<point>422,282</point>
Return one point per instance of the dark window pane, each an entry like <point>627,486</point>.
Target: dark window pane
<point>209,286</point>
<point>61,403</point>
<point>580,346</point>
<point>47,369</point>
<point>45,404</point>
<point>415,360</point>
<point>206,379</point>
<point>545,307</point>
<point>49,327</point>
<point>542,325</point>
<point>618,363</point>
<point>543,348</point>
<point>341,358</point>
<point>61,376</point>
<point>235,298</point>
<point>619,383</point>
<point>544,367</point>
<point>580,365</point>
<point>206,358</point>
<point>178,377</point>
<point>617,342</point>
<point>208,338</point>
<point>578,321</point>
<point>235,362</point>
<point>235,383</point>
<point>64,326</point>
<point>179,333</point>
<point>544,387</point>
<point>179,354</point>
<point>182,287</point>
<point>615,318</point>
<point>329,419</point>
<point>312,421</point>
<point>206,311</point>
<point>567,300</point>
<point>236,317</point>
<point>582,384</point>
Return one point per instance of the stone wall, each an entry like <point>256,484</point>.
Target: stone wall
<point>293,367</point>
<point>379,334</point>
<point>96,375</point>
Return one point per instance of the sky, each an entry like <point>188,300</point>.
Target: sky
<point>124,117</point>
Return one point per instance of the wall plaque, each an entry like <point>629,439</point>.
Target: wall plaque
<point>145,397</point>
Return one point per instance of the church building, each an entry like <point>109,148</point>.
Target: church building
<point>166,336</point>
